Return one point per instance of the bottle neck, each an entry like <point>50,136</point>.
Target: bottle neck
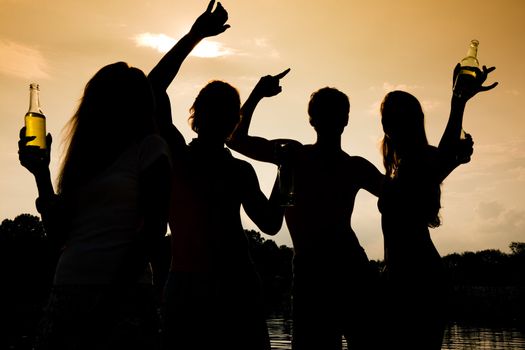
<point>471,60</point>
<point>472,51</point>
<point>34,99</point>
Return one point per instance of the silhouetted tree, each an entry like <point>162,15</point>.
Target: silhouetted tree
<point>27,263</point>
<point>517,248</point>
<point>488,284</point>
<point>274,265</point>
<point>24,228</point>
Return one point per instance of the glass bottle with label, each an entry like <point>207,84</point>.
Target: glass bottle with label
<point>469,69</point>
<point>35,120</point>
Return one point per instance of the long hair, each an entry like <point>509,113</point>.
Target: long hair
<point>404,126</point>
<point>216,110</point>
<point>115,112</point>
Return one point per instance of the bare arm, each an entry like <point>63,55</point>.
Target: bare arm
<point>454,150</point>
<point>36,160</point>
<point>267,214</point>
<point>48,204</point>
<point>209,23</point>
<point>257,148</point>
<point>457,108</point>
<point>372,178</point>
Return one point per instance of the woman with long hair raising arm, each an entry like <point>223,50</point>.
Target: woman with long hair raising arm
<point>410,202</point>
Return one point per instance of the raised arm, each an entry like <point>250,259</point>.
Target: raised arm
<point>455,150</point>
<point>209,23</point>
<point>36,160</point>
<point>257,148</point>
<point>452,131</point>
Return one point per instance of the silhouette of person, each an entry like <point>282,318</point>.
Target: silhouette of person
<point>109,212</point>
<point>416,285</point>
<point>213,294</point>
<point>333,282</point>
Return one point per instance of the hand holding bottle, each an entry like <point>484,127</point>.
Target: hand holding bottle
<point>465,149</point>
<point>31,157</point>
<point>211,23</point>
<point>465,91</point>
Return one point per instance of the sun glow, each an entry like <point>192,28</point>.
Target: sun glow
<point>211,49</point>
<point>163,43</point>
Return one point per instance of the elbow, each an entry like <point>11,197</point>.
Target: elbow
<point>273,231</point>
<point>273,226</point>
<point>234,142</point>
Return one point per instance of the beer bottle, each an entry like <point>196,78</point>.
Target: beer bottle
<point>468,71</point>
<point>466,78</point>
<point>35,120</point>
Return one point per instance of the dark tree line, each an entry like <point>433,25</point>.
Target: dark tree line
<point>27,263</point>
<point>487,284</point>
<point>274,265</point>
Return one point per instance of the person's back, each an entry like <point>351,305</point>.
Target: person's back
<point>207,232</point>
<point>326,184</point>
<point>103,216</point>
<point>213,282</point>
<point>407,204</point>
<point>332,277</point>
<point>212,285</point>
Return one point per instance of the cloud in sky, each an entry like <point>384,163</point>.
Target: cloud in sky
<point>505,158</point>
<point>263,43</point>
<point>513,92</point>
<point>500,223</point>
<point>22,61</point>
<point>405,87</point>
<point>163,43</point>
<point>489,210</point>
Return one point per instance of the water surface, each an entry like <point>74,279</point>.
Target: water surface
<point>458,336</point>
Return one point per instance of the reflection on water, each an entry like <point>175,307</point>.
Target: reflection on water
<point>458,336</point>
<point>280,332</point>
<point>465,337</point>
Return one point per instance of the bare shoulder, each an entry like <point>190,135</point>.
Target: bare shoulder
<point>359,162</point>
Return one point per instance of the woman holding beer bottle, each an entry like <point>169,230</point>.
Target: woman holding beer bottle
<point>107,216</point>
<point>410,202</point>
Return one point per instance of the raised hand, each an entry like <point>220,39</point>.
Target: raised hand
<point>211,23</point>
<point>268,85</point>
<point>467,91</point>
<point>33,158</point>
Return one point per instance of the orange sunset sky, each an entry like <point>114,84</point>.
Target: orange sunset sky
<point>365,48</point>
